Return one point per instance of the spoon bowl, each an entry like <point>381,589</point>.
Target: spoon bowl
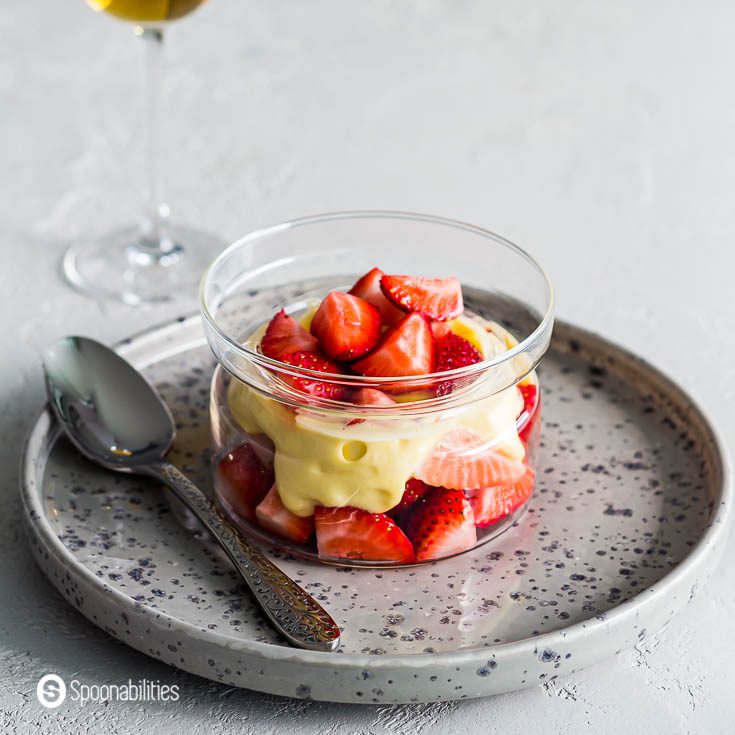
<point>107,408</point>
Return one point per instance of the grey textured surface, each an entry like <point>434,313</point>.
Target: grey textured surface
<point>599,136</point>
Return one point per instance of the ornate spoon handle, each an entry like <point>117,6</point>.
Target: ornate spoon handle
<point>293,612</point>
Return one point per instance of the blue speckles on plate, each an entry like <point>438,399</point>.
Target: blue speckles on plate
<point>631,487</point>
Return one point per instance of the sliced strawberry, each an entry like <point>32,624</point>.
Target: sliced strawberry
<point>440,329</point>
<point>371,397</point>
<point>314,386</point>
<point>441,524</point>
<point>284,335</point>
<point>437,298</point>
<point>346,326</point>
<point>461,460</point>
<point>415,490</point>
<point>275,517</point>
<point>243,480</point>
<point>407,348</point>
<point>368,288</point>
<point>452,351</point>
<point>530,415</point>
<point>489,504</point>
<point>350,533</point>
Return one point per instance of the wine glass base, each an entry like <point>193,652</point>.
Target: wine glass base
<point>121,266</point>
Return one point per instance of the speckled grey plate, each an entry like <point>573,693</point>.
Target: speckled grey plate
<point>633,496</point>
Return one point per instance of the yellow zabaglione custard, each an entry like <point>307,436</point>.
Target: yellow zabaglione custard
<point>328,460</point>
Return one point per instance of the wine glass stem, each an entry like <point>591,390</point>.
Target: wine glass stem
<point>154,238</point>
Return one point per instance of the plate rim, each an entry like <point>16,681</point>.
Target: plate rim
<point>41,434</point>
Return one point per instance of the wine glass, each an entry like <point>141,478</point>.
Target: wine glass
<point>157,260</point>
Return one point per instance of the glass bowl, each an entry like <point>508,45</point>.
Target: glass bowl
<point>446,464</point>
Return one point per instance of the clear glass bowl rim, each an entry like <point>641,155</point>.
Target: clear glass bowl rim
<point>358,381</point>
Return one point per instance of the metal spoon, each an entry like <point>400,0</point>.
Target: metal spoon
<point>114,417</point>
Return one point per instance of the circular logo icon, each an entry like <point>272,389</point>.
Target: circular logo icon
<point>51,691</point>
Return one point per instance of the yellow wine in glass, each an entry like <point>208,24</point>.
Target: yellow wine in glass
<point>147,11</point>
<point>157,260</point>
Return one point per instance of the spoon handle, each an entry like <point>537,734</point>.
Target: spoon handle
<point>293,612</point>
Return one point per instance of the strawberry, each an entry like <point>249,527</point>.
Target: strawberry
<point>415,490</point>
<point>452,351</point>
<point>351,533</point>
<point>407,348</point>
<point>530,415</point>
<point>284,335</point>
<point>243,480</point>
<point>368,288</point>
<point>346,326</point>
<point>461,460</point>
<point>371,397</point>
<point>441,524</point>
<point>436,298</point>
<point>275,517</point>
<point>314,386</point>
<point>440,329</point>
<point>489,504</point>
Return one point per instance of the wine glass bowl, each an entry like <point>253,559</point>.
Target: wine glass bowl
<point>146,11</point>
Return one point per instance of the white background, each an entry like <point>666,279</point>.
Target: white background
<point>600,136</point>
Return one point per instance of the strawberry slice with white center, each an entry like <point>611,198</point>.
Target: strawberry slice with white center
<point>407,348</point>
<point>346,326</point>
<point>439,299</point>
<point>275,517</point>
<point>314,386</point>
<point>351,533</point>
<point>372,397</point>
<point>462,460</point>
<point>368,288</point>
<point>369,397</point>
<point>489,504</point>
<point>452,352</point>
<point>440,329</point>
<point>284,336</point>
<point>243,480</point>
<point>441,524</point>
